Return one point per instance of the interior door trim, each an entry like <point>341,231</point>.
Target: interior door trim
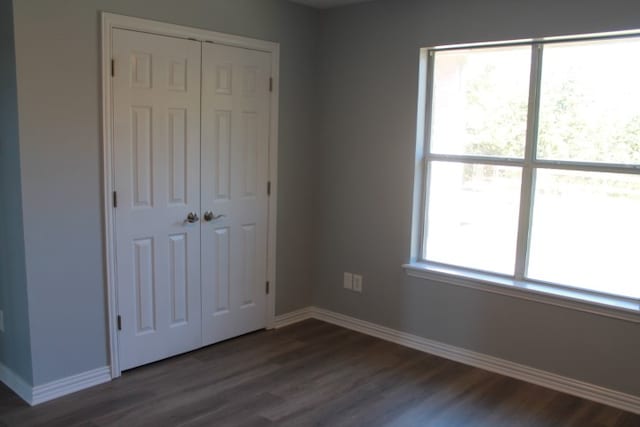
<point>112,21</point>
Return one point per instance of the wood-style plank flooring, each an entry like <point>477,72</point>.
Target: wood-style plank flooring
<point>311,374</point>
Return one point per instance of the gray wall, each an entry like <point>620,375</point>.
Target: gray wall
<point>15,350</point>
<point>368,87</point>
<point>58,54</point>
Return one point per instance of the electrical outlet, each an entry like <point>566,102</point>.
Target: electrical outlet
<point>357,283</point>
<point>347,281</point>
<point>1,321</point>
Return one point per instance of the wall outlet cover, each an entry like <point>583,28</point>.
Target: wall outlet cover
<point>357,283</point>
<point>347,282</point>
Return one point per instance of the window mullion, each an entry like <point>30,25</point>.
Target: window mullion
<point>528,173</point>
<point>476,159</point>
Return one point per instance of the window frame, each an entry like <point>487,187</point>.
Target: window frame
<point>420,266</point>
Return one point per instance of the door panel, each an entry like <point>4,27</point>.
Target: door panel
<point>235,142</point>
<point>156,99</point>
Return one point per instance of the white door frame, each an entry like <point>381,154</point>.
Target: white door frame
<point>109,23</point>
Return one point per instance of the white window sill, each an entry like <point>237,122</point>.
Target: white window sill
<point>610,306</point>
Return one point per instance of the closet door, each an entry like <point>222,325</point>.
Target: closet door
<point>156,98</point>
<point>235,139</point>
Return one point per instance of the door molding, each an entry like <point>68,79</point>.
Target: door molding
<point>112,21</point>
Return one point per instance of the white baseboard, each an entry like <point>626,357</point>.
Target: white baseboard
<point>557,382</point>
<point>54,389</point>
<point>293,317</point>
<point>68,385</point>
<point>16,383</point>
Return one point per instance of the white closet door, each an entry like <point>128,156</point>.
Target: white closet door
<point>235,139</point>
<point>156,99</point>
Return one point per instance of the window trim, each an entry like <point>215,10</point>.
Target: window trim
<point>517,285</point>
<point>576,299</point>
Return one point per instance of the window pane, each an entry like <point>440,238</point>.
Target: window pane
<point>480,99</point>
<point>586,230</point>
<point>473,215</point>
<point>589,109</point>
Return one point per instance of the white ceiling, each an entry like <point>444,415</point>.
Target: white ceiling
<point>325,4</point>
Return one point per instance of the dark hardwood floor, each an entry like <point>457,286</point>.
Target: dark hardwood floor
<point>311,374</point>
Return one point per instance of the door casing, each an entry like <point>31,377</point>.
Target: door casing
<point>112,21</point>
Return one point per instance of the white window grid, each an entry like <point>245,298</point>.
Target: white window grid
<point>528,164</point>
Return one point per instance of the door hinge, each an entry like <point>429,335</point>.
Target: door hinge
<point>119,322</point>
<point>115,199</point>
<point>267,288</point>
<point>268,188</point>
<point>113,67</point>
<point>270,84</point>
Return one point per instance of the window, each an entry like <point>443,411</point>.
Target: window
<point>531,165</point>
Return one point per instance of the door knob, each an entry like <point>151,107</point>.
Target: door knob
<point>209,216</point>
<point>192,218</point>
